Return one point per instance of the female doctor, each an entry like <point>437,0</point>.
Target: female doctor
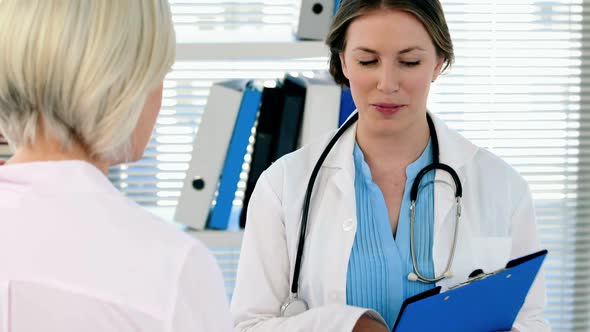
<point>362,251</point>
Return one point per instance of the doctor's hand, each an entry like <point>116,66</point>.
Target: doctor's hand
<point>368,324</point>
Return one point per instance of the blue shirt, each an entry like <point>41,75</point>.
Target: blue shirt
<point>379,263</point>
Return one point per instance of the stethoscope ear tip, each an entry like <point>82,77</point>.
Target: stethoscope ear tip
<point>412,276</point>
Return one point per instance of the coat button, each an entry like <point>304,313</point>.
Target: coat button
<point>348,225</point>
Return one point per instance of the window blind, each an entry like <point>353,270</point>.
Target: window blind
<point>519,88</point>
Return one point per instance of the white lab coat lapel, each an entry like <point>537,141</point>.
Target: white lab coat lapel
<point>332,225</point>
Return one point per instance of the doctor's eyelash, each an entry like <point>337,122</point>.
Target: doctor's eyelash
<point>410,63</point>
<point>367,63</point>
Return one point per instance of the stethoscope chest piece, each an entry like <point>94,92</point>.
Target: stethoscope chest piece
<point>293,307</point>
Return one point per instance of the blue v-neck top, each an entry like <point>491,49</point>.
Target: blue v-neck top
<point>379,262</point>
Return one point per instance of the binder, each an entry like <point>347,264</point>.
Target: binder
<point>322,108</point>
<point>265,141</point>
<point>236,152</point>
<point>346,106</point>
<point>315,17</point>
<point>278,131</point>
<point>209,151</point>
<point>290,125</point>
<point>487,302</point>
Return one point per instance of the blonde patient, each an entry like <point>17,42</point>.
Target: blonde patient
<point>80,91</point>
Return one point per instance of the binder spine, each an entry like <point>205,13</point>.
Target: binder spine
<point>232,168</point>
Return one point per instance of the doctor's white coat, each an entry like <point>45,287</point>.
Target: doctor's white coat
<point>497,224</point>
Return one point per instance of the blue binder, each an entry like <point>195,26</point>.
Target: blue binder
<point>346,106</point>
<point>230,176</point>
<point>489,302</point>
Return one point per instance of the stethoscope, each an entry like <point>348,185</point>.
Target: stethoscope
<point>296,305</point>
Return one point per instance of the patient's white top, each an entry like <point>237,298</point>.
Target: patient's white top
<point>76,255</point>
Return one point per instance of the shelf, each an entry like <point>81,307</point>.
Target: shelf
<point>213,239</point>
<point>233,45</point>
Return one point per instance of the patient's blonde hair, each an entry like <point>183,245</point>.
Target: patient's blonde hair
<point>86,65</point>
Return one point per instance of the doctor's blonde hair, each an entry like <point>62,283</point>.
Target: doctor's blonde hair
<point>428,12</point>
<point>86,66</point>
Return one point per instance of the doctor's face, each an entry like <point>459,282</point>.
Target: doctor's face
<point>390,61</point>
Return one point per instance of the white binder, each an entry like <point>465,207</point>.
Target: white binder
<point>322,108</point>
<point>209,152</point>
<point>315,17</point>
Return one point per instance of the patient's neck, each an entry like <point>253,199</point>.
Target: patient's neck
<point>47,148</point>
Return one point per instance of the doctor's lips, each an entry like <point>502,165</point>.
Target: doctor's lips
<point>388,108</point>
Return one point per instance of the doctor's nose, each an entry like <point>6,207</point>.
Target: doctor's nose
<point>388,81</point>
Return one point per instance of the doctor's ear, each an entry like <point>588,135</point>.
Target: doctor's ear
<point>343,64</point>
<point>438,67</point>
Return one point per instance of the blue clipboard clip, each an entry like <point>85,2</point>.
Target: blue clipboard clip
<point>484,302</point>
<point>480,275</point>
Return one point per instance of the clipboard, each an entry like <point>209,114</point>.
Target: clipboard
<point>487,302</point>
